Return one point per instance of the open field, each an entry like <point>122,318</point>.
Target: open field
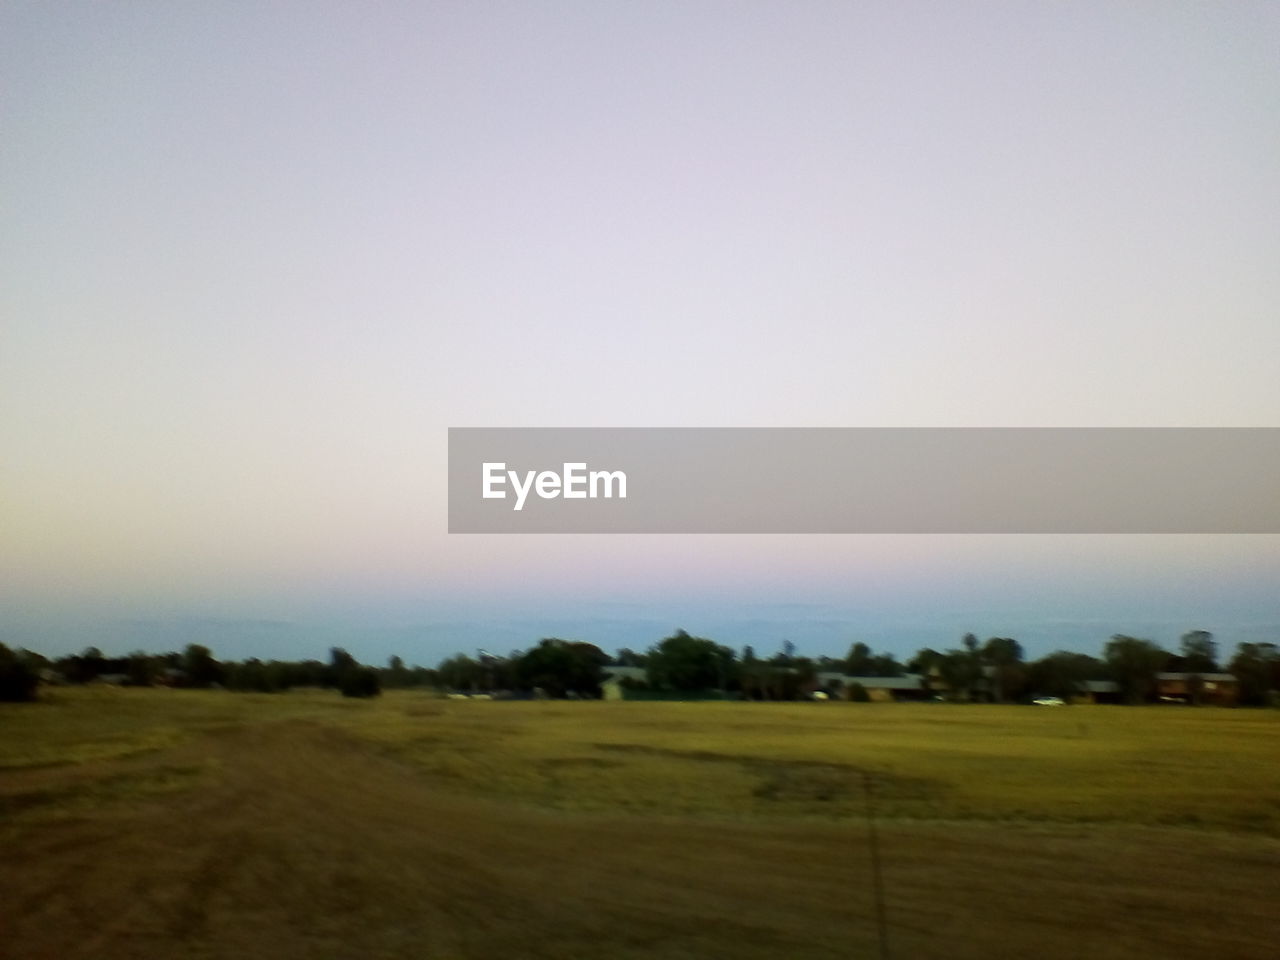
<point>162,823</point>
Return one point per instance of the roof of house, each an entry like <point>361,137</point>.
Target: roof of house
<point>910,682</point>
<point>1099,686</point>
<point>1214,677</point>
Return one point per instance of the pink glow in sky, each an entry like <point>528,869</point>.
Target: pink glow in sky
<point>255,259</point>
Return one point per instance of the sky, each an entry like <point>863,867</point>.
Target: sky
<point>257,258</point>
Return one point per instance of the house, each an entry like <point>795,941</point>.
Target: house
<point>1097,691</point>
<point>1218,689</point>
<point>879,689</point>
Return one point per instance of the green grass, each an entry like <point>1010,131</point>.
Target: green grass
<point>1207,767</point>
<point>1197,767</point>
<point>160,823</point>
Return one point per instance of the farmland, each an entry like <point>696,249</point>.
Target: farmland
<point>159,823</point>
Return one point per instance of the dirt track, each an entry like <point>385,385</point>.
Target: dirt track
<point>307,843</point>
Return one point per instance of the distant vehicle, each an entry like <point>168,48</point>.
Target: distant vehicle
<point>1049,702</point>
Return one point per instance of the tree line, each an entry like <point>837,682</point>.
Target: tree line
<point>992,670</point>
<point>21,672</point>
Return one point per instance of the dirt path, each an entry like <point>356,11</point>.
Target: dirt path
<point>306,843</point>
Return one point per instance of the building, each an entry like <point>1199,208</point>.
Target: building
<point>1218,689</point>
<point>879,689</point>
<point>1098,691</point>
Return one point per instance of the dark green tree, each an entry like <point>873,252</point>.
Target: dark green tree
<point>961,670</point>
<point>1002,656</point>
<point>397,674</point>
<point>200,667</point>
<point>85,666</point>
<point>885,665</point>
<point>1063,674</point>
<point>143,669</point>
<point>360,681</point>
<point>1134,664</point>
<point>859,661</point>
<point>253,675</point>
<point>562,667</point>
<point>687,663</point>
<point>460,672</point>
<point>1199,652</point>
<point>629,658</point>
<point>925,661</point>
<point>18,680</point>
<point>1257,668</point>
<point>340,664</point>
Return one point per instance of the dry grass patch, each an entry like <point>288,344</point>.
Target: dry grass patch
<point>303,826</point>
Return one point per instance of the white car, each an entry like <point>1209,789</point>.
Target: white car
<point>1049,702</point>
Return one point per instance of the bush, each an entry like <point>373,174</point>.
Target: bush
<point>360,682</point>
<point>858,693</point>
<point>18,681</point>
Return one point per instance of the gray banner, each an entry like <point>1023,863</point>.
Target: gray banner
<point>860,480</point>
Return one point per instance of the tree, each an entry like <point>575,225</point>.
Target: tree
<point>1257,668</point>
<point>782,677</point>
<point>252,675</point>
<point>961,670</point>
<point>629,658</point>
<point>805,672</point>
<point>396,674</point>
<point>1134,664</point>
<point>686,663</point>
<point>83,667</point>
<point>340,663</point>
<point>460,672</point>
<point>925,661</point>
<point>560,667</point>
<point>18,680</point>
<point>859,661</point>
<point>1199,652</point>
<point>1003,655</point>
<point>360,681</point>
<point>1063,673</point>
<point>142,669</point>
<point>885,665</point>
<point>201,669</point>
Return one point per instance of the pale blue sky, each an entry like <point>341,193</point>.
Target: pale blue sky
<point>256,258</point>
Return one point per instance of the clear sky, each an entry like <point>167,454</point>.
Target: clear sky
<point>256,258</point>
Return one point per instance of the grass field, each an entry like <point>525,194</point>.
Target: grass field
<point>160,823</point>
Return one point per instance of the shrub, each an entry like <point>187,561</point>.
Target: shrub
<point>18,681</point>
<point>360,682</point>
